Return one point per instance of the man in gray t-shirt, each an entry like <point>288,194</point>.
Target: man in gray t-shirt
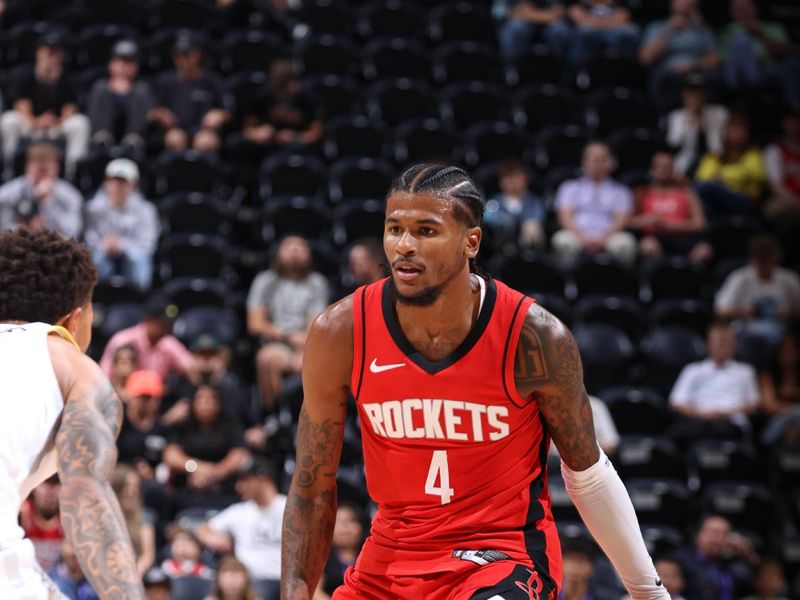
<point>280,306</point>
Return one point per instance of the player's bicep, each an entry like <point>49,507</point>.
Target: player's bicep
<point>549,370</point>
<point>327,362</point>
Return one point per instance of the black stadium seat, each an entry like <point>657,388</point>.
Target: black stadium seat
<point>189,171</point>
<point>746,505</point>
<point>539,106</point>
<point>323,16</point>
<point>560,146</point>
<point>602,275</point>
<point>538,65</point>
<point>304,215</point>
<point>661,502</point>
<point>640,457</point>
<point>620,311</point>
<point>493,141</point>
<point>610,110</point>
<point>393,58</point>
<point>674,277</point>
<point>354,136</point>
<point>250,50</point>
<point>292,174</point>
<point>460,21</point>
<point>634,148</point>
<point>358,219</point>
<point>665,351</point>
<point>466,61</point>
<point>333,94</point>
<point>352,178</point>
<point>691,314</point>
<point>194,212</point>
<point>399,100</point>
<point>606,353</point>
<point>390,18</point>
<point>120,316</point>
<point>532,273</point>
<point>186,292</point>
<point>637,410</point>
<point>325,55</point>
<point>712,461</point>
<point>192,255</point>
<point>219,322</point>
<point>420,140</point>
<point>464,104</point>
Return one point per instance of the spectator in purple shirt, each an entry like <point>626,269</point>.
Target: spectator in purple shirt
<point>593,210</point>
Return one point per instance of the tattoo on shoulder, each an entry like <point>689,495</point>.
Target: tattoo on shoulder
<point>318,445</point>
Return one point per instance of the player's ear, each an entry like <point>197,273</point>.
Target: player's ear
<point>474,235</point>
<point>71,320</point>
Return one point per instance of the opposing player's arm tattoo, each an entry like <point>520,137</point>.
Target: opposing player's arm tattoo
<point>90,514</point>
<point>310,511</point>
<point>548,368</point>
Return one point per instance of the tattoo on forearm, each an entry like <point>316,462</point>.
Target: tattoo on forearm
<point>90,514</point>
<point>317,446</point>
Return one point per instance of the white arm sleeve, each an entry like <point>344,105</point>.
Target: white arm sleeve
<point>605,507</point>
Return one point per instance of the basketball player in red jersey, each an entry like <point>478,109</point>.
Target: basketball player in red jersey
<point>460,384</point>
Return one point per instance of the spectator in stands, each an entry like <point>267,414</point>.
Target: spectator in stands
<point>142,437</point>
<point>697,124</point>
<point>715,394</point>
<point>157,348</point>
<point>515,216</point>
<point>233,582</point>
<point>124,362</point>
<point>753,51</point>
<point>669,215</point>
<point>157,586</point>
<point>593,210</point>
<point>578,566</point>
<point>122,227</point>
<point>205,453</point>
<point>127,485</point>
<point>782,160</point>
<point>676,46</point>
<point>670,571</point>
<point>40,192</point>
<point>365,262</point>
<point>39,518</point>
<point>68,576</point>
<point>118,105</point>
<point>601,25</point>
<point>718,565</point>
<point>280,306</point>
<point>211,366</point>
<point>780,382</point>
<point>762,297</point>
<point>769,581</point>
<point>191,97</point>
<point>348,537</point>
<point>46,107</point>
<point>524,23</point>
<point>251,529</point>
<point>282,115</point>
<point>732,181</point>
<point>185,553</point>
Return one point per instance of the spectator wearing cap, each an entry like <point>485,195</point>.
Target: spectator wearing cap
<point>45,107</point>
<point>675,46</point>
<point>251,529</point>
<point>593,210</point>
<point>118,105</point>
<point>190,98</point>
<point>122,227</point>
<point>40,196</point>
<point>158,350</point>
<point>782,159</point>
<point>695,126</point>
<point>516,215</point>
<point>211,366</point>
<point>142,437</point>
<point>754,52</point>
<point>157,586</point>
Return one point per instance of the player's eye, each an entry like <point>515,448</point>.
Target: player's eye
<point>427,231</point>
<point>393,229</point>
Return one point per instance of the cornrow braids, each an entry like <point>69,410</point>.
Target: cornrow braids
<point>43,275</point>
<point>444,181</point>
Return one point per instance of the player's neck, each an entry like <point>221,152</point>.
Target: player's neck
<point>454,311</point>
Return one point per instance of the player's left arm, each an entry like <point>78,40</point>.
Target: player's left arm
<point>548,370</point>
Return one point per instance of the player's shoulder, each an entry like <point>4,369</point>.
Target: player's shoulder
<point>71,366</point>
<point>544,323</point>
<point>336,321</point>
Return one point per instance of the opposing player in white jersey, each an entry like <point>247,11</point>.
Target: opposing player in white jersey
<point>58,413</point>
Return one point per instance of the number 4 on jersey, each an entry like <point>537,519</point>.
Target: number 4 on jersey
<point>438,469</point>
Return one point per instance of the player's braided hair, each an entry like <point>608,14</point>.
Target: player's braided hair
<point>43,275</point>
<point>444,181</point>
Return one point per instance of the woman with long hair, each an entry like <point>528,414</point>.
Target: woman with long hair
<point>232,582</point>
<point>127,485</point>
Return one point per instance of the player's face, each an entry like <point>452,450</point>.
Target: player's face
<point>426,245</point>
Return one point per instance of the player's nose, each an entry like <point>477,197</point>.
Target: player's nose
<point>406,244</point>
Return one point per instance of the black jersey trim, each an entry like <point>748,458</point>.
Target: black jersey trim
<point>429,366</point>
<point>363,341</point>
<point>535,539</point>
<point>505,350</point>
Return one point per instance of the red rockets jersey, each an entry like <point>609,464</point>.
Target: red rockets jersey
<point>455,458</point>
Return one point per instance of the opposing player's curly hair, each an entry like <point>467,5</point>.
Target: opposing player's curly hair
<point>444,181</point>
<point>43,275</point>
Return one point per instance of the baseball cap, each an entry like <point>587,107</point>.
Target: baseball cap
<point>144,383</point>
<point>694,80</point>
<point>258,466</point>
<point>205,342</point>
<point>126,49</point>
<point>186,41</point>
<point>123,168</point>
<point>51,38</point>
<point>159,307</point>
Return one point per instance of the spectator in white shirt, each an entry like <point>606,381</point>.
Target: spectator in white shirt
<point>696,127</point>
<point>252,529</point>
<point>717,389</point>
<point>762,297</point>
<point>593,211</point>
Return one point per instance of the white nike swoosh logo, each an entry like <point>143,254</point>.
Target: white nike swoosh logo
<point>376,368</point>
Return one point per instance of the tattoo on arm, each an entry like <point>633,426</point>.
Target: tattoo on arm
<point>548,368</point>
<point>90,514</point>
<point>310,511</point>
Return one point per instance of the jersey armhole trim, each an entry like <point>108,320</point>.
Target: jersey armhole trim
<point>361,320</point>
<point>63,333</point>
<point>508,361</point>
